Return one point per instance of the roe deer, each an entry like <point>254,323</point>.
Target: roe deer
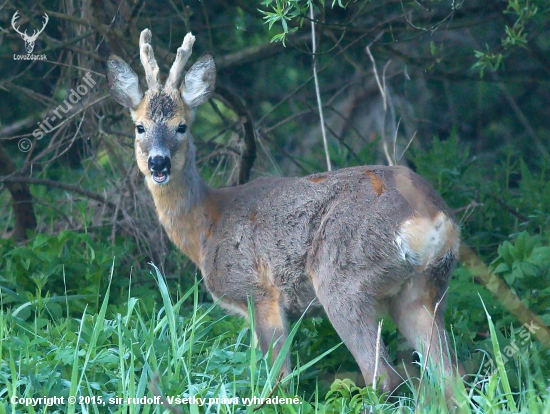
<point>356,242</point>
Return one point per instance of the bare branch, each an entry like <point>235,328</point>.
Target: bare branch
<point>382,89</point>
<point>249,152</point>
<point>317,91</point>
<point>506,296</point>
<point>60,185</point>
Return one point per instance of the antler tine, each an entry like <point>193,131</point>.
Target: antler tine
<point>46,20</point>
<point>13,22</point>
<point>176,71</point>
<point>148,59</point>
<point>37,32</point>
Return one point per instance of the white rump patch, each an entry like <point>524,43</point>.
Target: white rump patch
<point>424,241</point>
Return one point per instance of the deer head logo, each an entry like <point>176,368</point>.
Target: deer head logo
<point>29,40</point>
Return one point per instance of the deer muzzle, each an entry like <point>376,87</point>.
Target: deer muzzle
<point>160,168</point>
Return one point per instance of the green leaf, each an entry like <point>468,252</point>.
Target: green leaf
<point>502,268</point>
<point>529,269</point>
<point>540,255</point>
<point>433,49</point>
<point>505,253</point>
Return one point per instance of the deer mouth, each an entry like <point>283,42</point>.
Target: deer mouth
<point>160,177</point>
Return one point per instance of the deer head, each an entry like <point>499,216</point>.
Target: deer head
<point>163,114</point>
<point>29,40</point>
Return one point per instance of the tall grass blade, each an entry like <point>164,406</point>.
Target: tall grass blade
<point>500,363</point>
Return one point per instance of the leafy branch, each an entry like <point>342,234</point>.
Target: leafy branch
<point>515,36</point>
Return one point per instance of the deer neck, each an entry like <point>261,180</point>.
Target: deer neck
<point>184,208</point>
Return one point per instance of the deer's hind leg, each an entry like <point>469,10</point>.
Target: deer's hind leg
<point>353,312</point>
<point>418,312</point>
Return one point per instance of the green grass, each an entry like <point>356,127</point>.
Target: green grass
<point>190,350</point>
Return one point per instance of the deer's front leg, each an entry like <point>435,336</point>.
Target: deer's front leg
<point>270,328</point>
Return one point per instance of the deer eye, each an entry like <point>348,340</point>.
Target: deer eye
<point>140,129</point>
<point>182,129</point>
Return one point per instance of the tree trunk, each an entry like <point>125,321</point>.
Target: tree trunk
<point>21,198</point>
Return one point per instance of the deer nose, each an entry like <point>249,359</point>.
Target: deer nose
<point>159,164</point>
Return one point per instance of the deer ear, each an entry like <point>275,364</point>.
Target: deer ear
<point>200,81</point>
<point>123,82</point>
